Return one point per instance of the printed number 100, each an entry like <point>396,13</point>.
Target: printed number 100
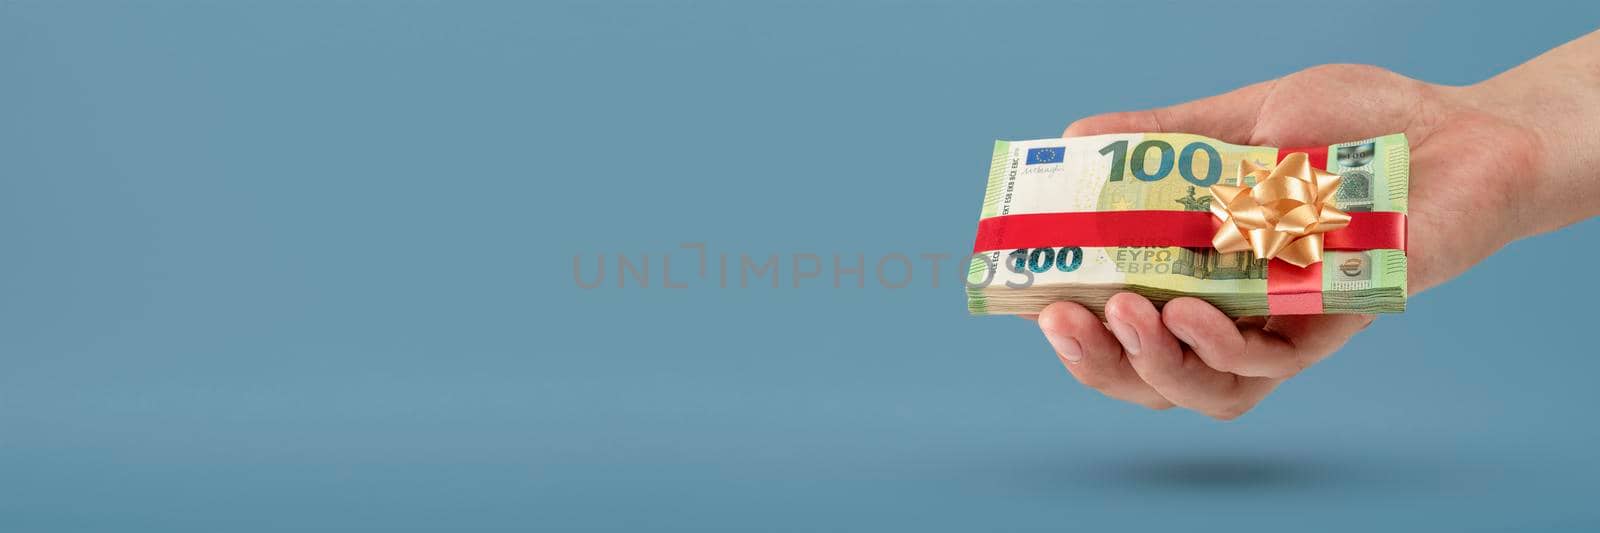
<point>1139,164</point>
<point>1039,260</point>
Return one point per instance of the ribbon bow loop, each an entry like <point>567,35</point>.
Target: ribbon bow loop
<point>1283,215</point>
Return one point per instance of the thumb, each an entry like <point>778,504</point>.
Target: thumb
<point>1229,117</point>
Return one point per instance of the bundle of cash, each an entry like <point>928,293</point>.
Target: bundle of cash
<point>1172,172</point>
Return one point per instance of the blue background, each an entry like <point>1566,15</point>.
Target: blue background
<point>308,265</point>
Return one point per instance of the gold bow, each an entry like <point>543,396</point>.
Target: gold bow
<point>1283,215</point>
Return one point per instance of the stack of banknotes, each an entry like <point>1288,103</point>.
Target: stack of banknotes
<point>1149,171</point>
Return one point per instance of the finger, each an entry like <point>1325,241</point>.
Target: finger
<point>1230,117</point>
<point>1178,374</point>
<point>1278,348</point>
<point>1222,344</point>
<point>1093,356</point>
<point>1314,337</point>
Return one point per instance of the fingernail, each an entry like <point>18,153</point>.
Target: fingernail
<point>1125,334</point>
<point>1066,346</point>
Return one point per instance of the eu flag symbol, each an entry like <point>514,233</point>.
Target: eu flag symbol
<point>1039,156</point>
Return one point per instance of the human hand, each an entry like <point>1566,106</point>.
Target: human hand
<point>1470,164</point>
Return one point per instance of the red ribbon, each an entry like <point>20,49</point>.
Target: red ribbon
<point>1291,290</point>
<point>1189,229</point>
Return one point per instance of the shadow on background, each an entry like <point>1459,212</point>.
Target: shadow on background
<point>1201,471</point>
<point>1216,472</point>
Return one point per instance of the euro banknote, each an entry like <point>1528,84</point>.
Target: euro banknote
<point>1166,171</point>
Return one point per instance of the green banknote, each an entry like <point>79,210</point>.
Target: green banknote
<point>1161,171</point>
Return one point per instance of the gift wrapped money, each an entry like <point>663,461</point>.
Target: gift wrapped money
<point>1253,230</point>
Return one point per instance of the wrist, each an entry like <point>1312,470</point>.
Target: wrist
<point>1552,139</point>
<point>1518,146</point>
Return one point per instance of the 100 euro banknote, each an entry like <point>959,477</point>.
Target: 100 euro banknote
<point>1161,171</point>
